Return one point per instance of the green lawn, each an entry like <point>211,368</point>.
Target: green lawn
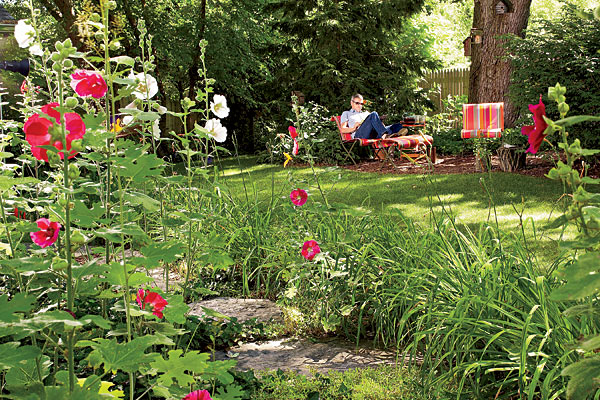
<point>461,195</point>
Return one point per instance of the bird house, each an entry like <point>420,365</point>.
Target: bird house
<point>503,7</point>
<point>467,46</point>
<point>476,36</point>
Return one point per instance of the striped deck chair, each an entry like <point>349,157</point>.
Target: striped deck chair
<point>485,120</point>
<point>417,143</point>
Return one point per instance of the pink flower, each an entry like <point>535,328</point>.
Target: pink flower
<point>37,131</point>
<point>535,132</point>
<point>295,149</point>
<point>24,87</point>
<point>19,214</point>
<point>198,395</point>
<point>155,300</point>
<point>293,132</point>
<point>47,234</point>
<point>310,249</point>
<point>88,83</point>
<point>298,197</point>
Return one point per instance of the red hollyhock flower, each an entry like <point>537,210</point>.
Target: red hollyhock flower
<point>47,234</point>
<point>155,300</point>
<point>535,132</point>
<point>19,214</point>
<point>37,131</point>
<point>296,147</point>
<point>310,249</point>
<point>198,395</point>
<point>298,197</point>
<point>293,132</point>
<point>88,83</point>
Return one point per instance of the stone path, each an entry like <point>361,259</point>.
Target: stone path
<point>242,309</point>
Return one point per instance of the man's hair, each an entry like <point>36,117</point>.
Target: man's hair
<point>357,96</point>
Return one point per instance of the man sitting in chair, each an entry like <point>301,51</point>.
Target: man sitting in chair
<point>366,125</point>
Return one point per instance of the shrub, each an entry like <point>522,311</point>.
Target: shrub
<point>574,61</point>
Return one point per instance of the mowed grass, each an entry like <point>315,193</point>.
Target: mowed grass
<point>471,199</point>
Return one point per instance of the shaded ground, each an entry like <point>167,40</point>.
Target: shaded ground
<point>242,309</point>
<point>536,165</point>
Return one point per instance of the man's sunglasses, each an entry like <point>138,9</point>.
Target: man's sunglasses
<point>358,102</point>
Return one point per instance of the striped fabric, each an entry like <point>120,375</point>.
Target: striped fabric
<point>402,142</point>
<point>485,120</point>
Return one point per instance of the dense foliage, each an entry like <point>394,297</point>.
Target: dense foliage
<point>565,50</point>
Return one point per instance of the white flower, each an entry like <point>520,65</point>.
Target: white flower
<point>156,129</point>
<point>219,106</point>
<point>161,110</point>
<point>36,50</point>
<point>146,88</point>
<point>24,33</point>
<point>128,118</point>
<point>216,130</point>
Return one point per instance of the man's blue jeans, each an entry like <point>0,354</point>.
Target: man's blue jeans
<point>373,128</point>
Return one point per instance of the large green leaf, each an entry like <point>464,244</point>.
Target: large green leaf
<point>113,233</point>
<point>142,199</point>
<point>177,309</point>
<point>27,373</point>
<point>21,302</point>
<point>157,251</point>
<point>585,378</point>
<point>84,216</point>
<point>115,356</point>
<point>11,355</point>
<point>577,119</point>
<point>176,367</point>
<point>583,278</point>
<point>6,182</point>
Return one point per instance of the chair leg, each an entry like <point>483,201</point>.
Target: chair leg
<point>349,153</point>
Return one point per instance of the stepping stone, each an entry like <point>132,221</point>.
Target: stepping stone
<point>242,309</point>
<point>300,354</point>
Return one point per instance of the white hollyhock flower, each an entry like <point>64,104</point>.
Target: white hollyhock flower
<point>156,129</point>
<point>128,118</point>
<point>219,106</point>
<point>36,50</point>
<point>146,88</point>
<point>216,130</point>
<point>24,33</point>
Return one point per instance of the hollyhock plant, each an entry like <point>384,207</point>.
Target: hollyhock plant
<point>155,300</point>
<point>219,106</point>
<point>88,83</point>
<point>216,130</point>
<point>24,33</point>
<point>47,234</point>
<point>37,131</point>
<point>293,132</point>
<point>535,133</point>
<point>147,87</point>
<point>298,197</point>
<point>310,249</point>
<point>295,148</point>
<point>198,395</point>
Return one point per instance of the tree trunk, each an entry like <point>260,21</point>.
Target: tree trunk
<point>489,77</point>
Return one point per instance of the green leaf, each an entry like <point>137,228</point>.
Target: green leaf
<point>585,376</point>
<point>560,221</point>
<point>141,199</point>
<point>176,367</point>
<point>582,278</point>
<point>6,182</point>
<point>576,120</point>
<point>21,302</point>
<point>83,216</point>
<point>115,356</point>
<point>123,60</point>
<point>113,233</point>
<point>168,252</point>
<point>11,355</point>
<point>27,373</point>
<point>230,392</point>
<point>176,310</point>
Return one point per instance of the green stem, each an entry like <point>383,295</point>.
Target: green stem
<point>10,243</point>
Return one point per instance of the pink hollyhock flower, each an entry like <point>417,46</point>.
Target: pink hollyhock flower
<point>88,83</point>
<point>310,249</point>
<point>37,131</point>
<point>296,147</point>
<point>47,234</point>
<point>155,300</point>
<point>198,395</point>
<point>535,132</point>
<point>298,197</point>
<point>24,87</point>
<point>293,132</point>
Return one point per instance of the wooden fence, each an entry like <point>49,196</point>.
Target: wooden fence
<point>454,81</point>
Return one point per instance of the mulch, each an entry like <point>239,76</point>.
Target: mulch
<point>536,165</point>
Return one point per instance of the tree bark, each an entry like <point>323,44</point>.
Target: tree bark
<point>489,77</point>
<point>63,12</point>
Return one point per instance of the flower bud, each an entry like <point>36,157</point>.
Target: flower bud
<point>563,108</point>
<point>67,43</point>
<point>77,237</point>
<point>95,17</point>
<point>77,145</point>
<point>73,172</point>
<point>57,67</point>
<point>55,57</point>
<point>111,5</point>
<point>58,46</point>
<point>68,63</point>
<point>99,35</point>
<point>116,45</point>
<point>59,264</point>
<point>71,102</point>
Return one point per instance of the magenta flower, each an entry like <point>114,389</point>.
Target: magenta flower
<point>298,197</point>
<point>155,300</point>
<point>535,132</point>
<point>88,83</point>
<point>198,395</point>
<point>37,131</point>
<point>47,234</point>
<point>296,147</point>
<point>310,249</point>
<point>293,132</point>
